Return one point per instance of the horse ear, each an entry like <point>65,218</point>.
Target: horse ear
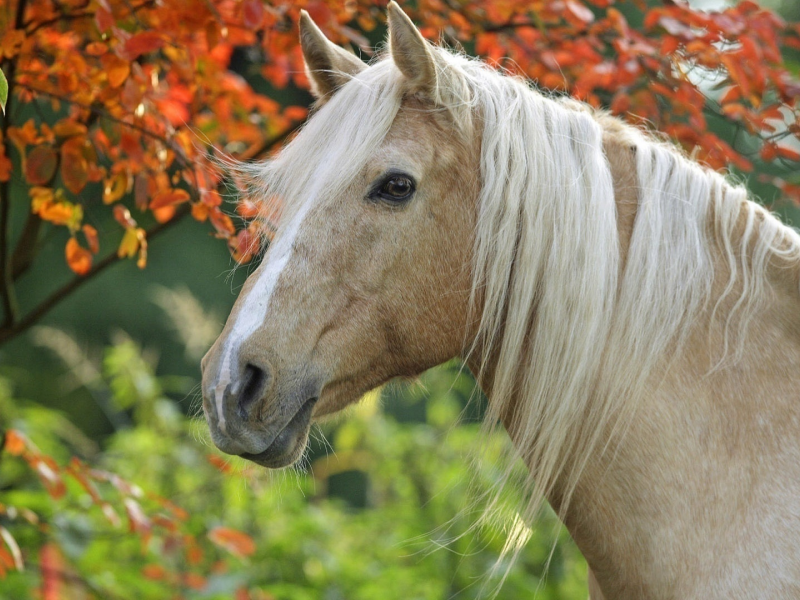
<point>410,52</point>
<point>328,66</point>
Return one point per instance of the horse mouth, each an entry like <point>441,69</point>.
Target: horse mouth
<point>288,445</point>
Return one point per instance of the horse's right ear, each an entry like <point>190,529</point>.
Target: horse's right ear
<point>328,66</point>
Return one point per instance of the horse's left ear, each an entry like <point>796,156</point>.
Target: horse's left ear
<point>410,52</point>
<point>328,66</point>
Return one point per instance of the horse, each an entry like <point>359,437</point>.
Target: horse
<point>632,317</point>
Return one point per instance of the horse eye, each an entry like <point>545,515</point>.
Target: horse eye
<point>395,188</point>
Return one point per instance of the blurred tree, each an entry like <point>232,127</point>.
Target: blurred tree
<point>116,111</point>
<point>115,107</point>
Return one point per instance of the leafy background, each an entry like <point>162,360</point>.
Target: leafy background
<point>109,487</point>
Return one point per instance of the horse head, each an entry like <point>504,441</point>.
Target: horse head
<point>368,276</point>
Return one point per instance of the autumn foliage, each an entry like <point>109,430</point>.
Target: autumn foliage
<point>127,103</point>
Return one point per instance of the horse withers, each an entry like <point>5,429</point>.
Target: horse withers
<point>632,317</point>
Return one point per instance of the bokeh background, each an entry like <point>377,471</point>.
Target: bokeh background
<point>387,502</point>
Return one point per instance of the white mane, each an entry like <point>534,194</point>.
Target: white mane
<point>574,337</point>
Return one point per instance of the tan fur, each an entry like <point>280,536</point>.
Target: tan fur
<point>686,480</point>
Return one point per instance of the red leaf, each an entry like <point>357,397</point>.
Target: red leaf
<point>788,153</point>
<point>142,43</point>
<point>769,151</point>
<point>252,13</point>
<point>91,238</point>
<point>669,44</point>
<point>40,165</point>
<point>74,166</point>
<point>123,216</point>
<point>103,19</point>
<point>237,543</point>
<point>52,566</point>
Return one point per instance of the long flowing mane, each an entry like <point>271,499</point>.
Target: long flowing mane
<point>576,326</point>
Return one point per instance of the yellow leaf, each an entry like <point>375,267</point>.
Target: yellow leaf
<point>129,245</point>
<point>115,188</point>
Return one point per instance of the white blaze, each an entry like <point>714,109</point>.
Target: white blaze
<point>254,309</point>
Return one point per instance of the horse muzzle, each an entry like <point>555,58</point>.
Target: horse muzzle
<point>255,412</point>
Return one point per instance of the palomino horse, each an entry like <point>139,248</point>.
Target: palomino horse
<point>632,317</point>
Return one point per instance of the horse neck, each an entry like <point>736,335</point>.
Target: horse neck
<point>705,456</point>
<point>657,507</point>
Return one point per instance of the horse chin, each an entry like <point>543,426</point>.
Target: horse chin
<point>288,445</point>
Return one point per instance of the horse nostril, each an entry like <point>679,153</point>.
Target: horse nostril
<point>254,379</point>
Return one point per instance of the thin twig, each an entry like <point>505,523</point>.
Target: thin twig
<point>9,332</point>
<point>106,115</point>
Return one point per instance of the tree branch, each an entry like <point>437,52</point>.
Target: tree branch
<point>11,331</point>
<point>6,284</point>
<point>25,251</point>
<point>106,115</point>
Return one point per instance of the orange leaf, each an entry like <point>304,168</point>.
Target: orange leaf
<point>669,44</point>
<point>154,572</point>
<point>200,211</point>
<point>47,470</point>
<point>41,165</point>
<point>79,259</point>
<point>236,542</point>
<point>91,238</point>
<point>169,197</point>
<point>295,113</point>
<point>244,245</point>
<point>66,128</point>
<point>60,213</point>
<point>732,94</point>
<point>222,222</point>
<point>116,68</point>
<point>6,562</point>
<point>220,463</point>
<point>96,48</point>
<point>14,443</point>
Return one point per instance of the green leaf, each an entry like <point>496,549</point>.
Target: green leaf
<point>3,91</point>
